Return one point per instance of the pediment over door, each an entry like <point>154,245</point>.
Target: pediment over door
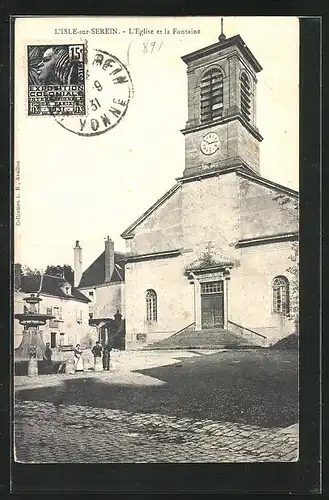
<point>211,273</point>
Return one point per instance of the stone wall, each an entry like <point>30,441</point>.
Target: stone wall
<point>174,299</point>
<point>264,211</point>
<point>250,289</point>
<point>107,299</point>
<point>211,214</point>
<point>237,145</point>
<point>162,229</point>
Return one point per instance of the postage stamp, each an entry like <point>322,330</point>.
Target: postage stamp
<point>56,79</point>
<point>109,90</point>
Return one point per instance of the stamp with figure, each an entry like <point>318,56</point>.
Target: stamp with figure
<point>56,79</point>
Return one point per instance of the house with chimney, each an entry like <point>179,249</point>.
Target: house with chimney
<point>102,283</point>
<point>60,299</point>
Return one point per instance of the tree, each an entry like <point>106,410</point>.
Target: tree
<point>28,271</point>
<point>52,270</point>
<point>294,283</point>
<point>61,271</point>
<point>294,258</point>
<point>22,270</point>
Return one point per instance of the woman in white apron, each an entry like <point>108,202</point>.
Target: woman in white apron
<point>78,361</point>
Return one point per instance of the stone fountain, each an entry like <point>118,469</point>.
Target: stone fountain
<point>32,346</point>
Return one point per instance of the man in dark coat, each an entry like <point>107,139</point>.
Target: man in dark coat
<point>47,359</point>
<point>107,357</point>
<point>117,319</point>
<point>97,351</point>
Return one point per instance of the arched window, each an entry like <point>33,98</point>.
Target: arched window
<point>151,306</point>
<point>245,97</point>
<point>280,291</point>
<point>211,95</point>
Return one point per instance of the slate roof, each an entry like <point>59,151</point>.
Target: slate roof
<point>95,273</point>
<point>220,45</point>
<point>50,285</point>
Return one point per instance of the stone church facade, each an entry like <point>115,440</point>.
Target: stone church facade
<point>215,252</point>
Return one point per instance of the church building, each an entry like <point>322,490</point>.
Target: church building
<point>216,251</point>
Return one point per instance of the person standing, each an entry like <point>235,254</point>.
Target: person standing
<point>97,351</point>
<point>62,361</point>
<point>107,357</point>
<point>117,319</point>
<point>78,362</point>
<point>47,359</point>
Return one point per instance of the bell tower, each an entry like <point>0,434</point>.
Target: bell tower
<point>221,130</point>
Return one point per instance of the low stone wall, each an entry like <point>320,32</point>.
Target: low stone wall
<point>60,359</point>
<point>143,339</point>
<point>44,368</point>
<point>273,334</point>
<point>248,335</point>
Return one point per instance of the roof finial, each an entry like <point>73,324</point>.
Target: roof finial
<point>221,36</point>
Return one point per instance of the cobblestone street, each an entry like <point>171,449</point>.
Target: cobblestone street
<point>49,430</point>
<point>70,433</point>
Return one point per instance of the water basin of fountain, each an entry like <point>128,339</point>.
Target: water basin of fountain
<point>32,344</point>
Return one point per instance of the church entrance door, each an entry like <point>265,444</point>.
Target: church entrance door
<point>212,305</point>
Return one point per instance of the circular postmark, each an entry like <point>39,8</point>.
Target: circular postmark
<point>109,89</point>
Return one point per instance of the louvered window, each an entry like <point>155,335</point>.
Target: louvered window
<point>211,95</point>
<point>280,290</point>
<point>245,97</point>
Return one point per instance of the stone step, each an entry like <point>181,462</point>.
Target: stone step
<point>206,339</point>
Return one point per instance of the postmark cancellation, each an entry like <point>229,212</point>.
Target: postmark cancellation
<point>109,90</point>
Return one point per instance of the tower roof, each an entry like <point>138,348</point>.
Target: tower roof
<point>224,44</point>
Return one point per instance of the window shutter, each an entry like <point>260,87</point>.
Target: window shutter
<point>245,97</point>
<point>211,95</point>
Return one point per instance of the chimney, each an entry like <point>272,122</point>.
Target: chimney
<point>77,263</point>
<point>109,259</point>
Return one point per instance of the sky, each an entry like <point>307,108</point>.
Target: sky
<point>85,188</point>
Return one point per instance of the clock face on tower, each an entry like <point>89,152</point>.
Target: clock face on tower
<point>210,143</point>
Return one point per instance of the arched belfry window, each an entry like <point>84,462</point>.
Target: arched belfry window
<point>245,97</point>
<point>211,95</point>
<point>280,295</point>
<point>151,306</point>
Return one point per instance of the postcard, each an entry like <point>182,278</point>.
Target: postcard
<point>156,222</point>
